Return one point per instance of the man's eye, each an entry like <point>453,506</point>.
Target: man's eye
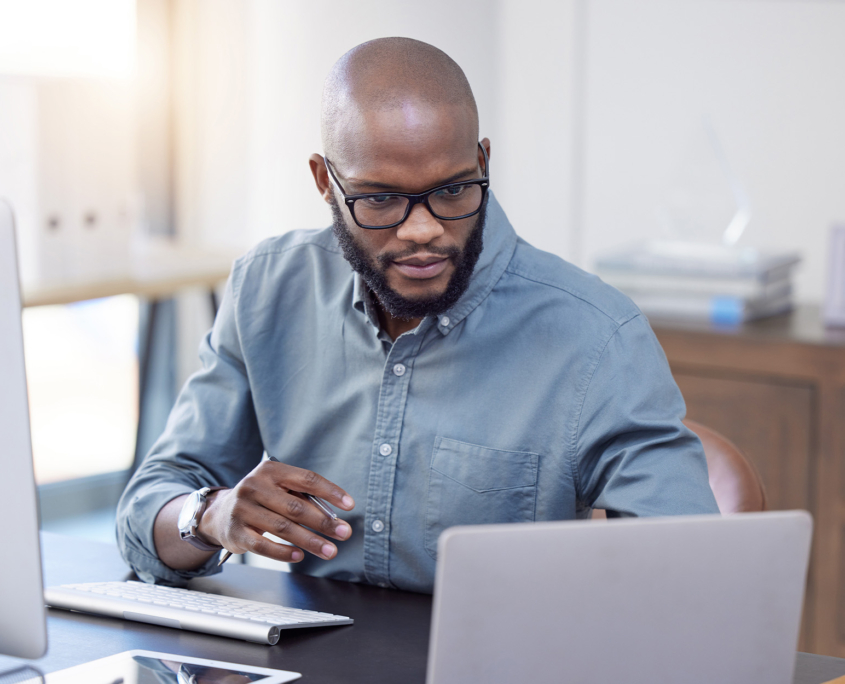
<point>380,201</point>
<point>453,191</point>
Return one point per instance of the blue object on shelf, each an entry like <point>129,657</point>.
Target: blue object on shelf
<point>726,310</point>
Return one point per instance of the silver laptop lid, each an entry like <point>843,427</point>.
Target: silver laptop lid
<point>22,624</point>
<point>696,599</point>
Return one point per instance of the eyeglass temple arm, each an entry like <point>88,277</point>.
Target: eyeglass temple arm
<point>486,161</point>
<point>332,177</point>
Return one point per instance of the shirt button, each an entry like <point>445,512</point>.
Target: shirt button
<point>383,585</point>
<point>444,321</point>
<point>385,450</point>
<point>399,369</point>
<point>378,525</point>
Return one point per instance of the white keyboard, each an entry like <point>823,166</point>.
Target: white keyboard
<point>187,609</point>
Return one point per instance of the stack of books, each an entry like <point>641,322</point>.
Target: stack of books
<point>703,282</point>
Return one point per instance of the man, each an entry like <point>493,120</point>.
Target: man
<point>452,375</point>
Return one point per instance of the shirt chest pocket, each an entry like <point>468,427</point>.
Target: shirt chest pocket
<point>471,485</point>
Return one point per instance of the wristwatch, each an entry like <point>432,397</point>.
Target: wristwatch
<point>189,518</point>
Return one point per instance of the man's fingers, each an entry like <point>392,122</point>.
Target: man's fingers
<point>255,542</point>
<point>297,508</point>
<point>307,513</point>
<point>270,500</point>
<point>307,481</point>
<point>266,520</point>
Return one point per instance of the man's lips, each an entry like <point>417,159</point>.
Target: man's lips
<point>422,266</point>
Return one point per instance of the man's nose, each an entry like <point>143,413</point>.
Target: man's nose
<point>420,226</point>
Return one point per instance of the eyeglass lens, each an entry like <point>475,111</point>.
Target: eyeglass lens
<point>449,202</point>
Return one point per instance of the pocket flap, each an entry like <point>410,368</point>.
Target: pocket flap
<point>483,469</point>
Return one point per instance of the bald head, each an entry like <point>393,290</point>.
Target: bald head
<point>389,75</point>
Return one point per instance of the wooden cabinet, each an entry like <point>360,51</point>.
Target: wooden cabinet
<point>776,388</point>
<point>771,423</point>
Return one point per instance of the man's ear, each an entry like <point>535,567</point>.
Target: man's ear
<point>485,143</point>
<point>321,176</point>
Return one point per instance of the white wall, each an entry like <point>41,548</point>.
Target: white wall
<point>537,145</point>
<point>251,77</point>
<point>259,67</point>
<point>590,105</point>
<point>769,74</point>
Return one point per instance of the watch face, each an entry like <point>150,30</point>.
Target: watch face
<point>189,511</point>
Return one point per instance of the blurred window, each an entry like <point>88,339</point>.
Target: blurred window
<point>82,373</point>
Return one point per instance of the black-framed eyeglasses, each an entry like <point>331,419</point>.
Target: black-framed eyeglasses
<point>450,202</point>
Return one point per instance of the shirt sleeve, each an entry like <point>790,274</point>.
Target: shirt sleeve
<point>633,455</point>
<point>211,439</point>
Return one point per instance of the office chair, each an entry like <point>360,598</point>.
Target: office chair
<point>733,479</point>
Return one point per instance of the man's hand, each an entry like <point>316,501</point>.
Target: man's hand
<point>267,500</point>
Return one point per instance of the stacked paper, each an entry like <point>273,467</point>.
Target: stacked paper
<point>695,281</point>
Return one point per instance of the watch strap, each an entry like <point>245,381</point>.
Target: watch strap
<point>190,536</point>
<point>195,541</point>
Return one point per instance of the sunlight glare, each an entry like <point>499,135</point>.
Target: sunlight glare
<point>83,38</point>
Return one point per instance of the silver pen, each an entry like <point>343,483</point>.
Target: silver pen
<point>316,500</point>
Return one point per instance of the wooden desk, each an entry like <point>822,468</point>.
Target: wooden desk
<point>388,642</point>
<point>776,388</point>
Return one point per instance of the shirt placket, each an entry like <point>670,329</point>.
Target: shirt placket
<point>393,397</point>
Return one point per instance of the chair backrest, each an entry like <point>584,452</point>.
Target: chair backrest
<point>734,481</point>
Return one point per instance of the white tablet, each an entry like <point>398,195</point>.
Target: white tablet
<point>149,667</point>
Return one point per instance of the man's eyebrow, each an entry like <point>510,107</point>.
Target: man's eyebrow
<point>387,186</point>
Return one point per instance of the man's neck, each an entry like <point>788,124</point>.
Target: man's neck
<point>394,327</point>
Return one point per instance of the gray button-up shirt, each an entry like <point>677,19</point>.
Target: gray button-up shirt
<point>542,393</point>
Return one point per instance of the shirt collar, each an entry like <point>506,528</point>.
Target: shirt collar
<point>362,300</point>
<point>499,245</point>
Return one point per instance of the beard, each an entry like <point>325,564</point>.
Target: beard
<point>372,271</point>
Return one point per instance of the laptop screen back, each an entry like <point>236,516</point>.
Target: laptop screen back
<point>695,599</point>
<point>22,622</point>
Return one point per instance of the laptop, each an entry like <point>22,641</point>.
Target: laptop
<point>693,599</point>
<point>23,631</point>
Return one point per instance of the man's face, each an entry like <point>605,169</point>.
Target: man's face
<point>375,269</point>
<point>424,265</point>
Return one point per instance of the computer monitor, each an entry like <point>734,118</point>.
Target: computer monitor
<point>23,630</point>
